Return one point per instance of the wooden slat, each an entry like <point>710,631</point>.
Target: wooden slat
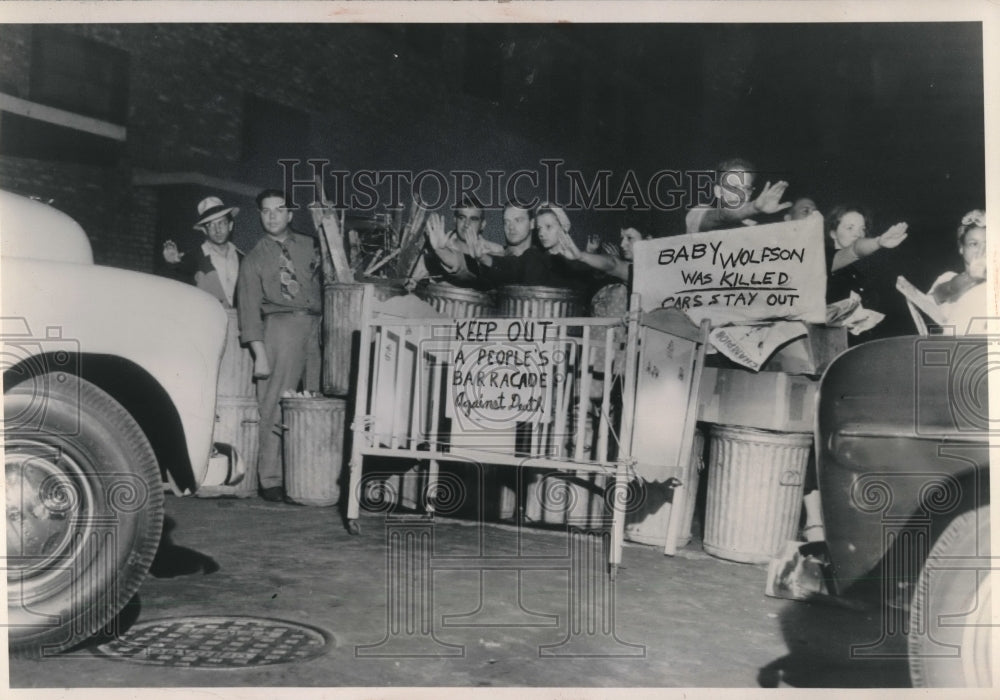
<point>628,415</point>
<point>584,399</point>
<point>558,421</point>
<point>681,493</point>
<point>434,420</point>
<point>470,454</point>
<point>605,417</point>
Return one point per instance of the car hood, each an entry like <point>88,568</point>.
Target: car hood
<point>34,230</point>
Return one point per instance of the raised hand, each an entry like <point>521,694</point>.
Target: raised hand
<point>893,236</point>
<point>593,243</point>
<point>491,248</point>
<point>566,247</point>
<point>435,231</point>
<point>977,266</point>
<point>481,249</point>
<point>769,199</point>
<point>170,252</point>
<point>612,249</point>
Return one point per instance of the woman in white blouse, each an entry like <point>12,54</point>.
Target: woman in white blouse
<point>961,296</point>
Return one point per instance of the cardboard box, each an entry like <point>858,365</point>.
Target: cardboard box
<point>767,400</point>
<point>809,355</point>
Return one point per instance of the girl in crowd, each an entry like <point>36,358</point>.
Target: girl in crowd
<point>961,296</point>
<point>851,260</point>
<point>847,227</point>
<point>630,236</point>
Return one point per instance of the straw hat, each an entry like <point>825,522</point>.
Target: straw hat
<point>212,208</point>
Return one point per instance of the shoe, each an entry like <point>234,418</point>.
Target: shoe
<point>274,494</point>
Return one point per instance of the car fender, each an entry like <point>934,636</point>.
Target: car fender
<point>902,445</point>
<point>173,331</point>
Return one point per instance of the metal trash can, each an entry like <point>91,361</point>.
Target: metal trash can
<point>236,368</point>
<point>610,301</point>
<point>237,423</point>
<point>754,496</point>
<point>313,448</point>
<point>457,302</point>
<point>525,301</point>
<point>342,329</point>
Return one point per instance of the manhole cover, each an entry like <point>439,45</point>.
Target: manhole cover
<point>217,642</point>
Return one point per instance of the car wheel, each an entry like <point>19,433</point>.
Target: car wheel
<point>950,623</point>
<point>84,511</point>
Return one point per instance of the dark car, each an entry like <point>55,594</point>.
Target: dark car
<point>903,430</point>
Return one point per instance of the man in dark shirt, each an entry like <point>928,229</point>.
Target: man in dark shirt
<point>516,228</point>
<point>541,265</point>
<point>280,294</point>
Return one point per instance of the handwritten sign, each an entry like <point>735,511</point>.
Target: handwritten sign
<point>746,275</point>
<point>503,372</point>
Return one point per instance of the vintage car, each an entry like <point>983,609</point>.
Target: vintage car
<point>109,386</point>
<point>902,448</point>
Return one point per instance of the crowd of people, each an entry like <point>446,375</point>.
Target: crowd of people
<point>539,250</point>
<point>277,291</point>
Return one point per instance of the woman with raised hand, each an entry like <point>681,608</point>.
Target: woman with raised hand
<point>961,296</point>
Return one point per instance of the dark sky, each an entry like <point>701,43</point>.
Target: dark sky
<point>886,111</point>
<point>886,115</point>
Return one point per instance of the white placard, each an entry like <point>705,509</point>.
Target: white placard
<point>748,275</point>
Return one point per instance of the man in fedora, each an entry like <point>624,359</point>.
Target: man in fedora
<point>214,265</point>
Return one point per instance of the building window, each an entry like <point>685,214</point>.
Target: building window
<point>78,75</point>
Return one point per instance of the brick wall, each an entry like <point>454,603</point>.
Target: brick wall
<point>374,98</point>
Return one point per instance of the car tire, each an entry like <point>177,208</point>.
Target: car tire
<point>950,621</point>
<point>84,511</point>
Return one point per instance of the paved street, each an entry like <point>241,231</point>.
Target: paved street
<point>466,609</point>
